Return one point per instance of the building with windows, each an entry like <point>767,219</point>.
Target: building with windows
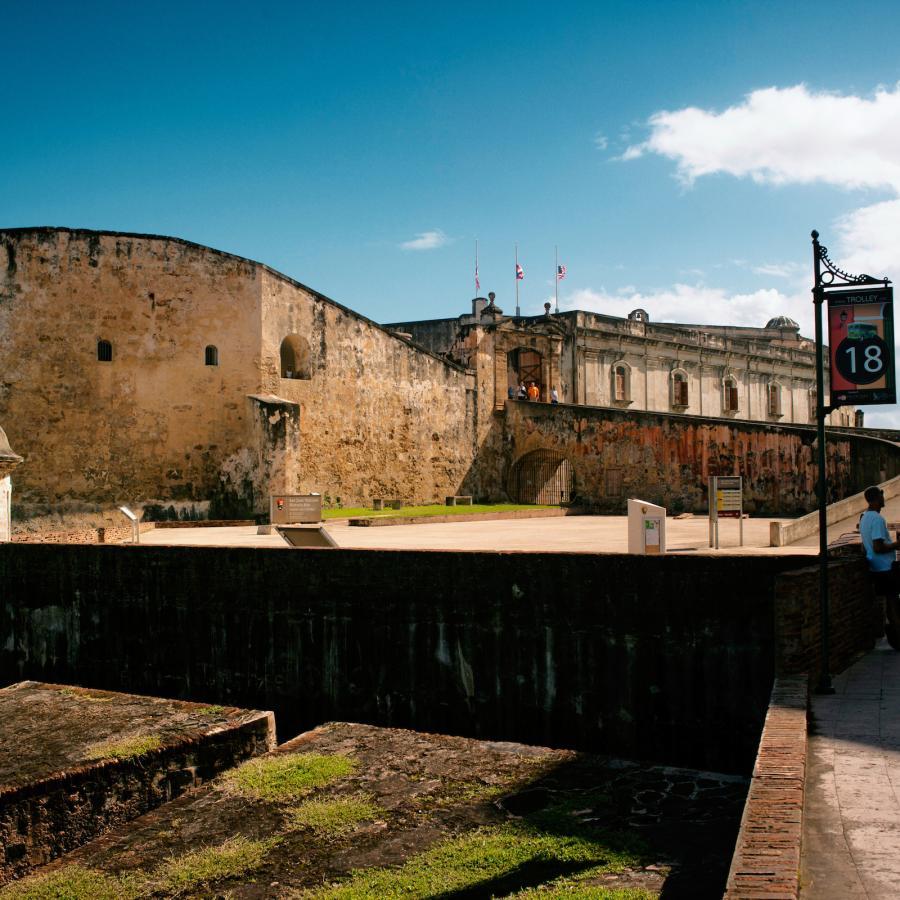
<point>764,374</point>
<point>146,369</point>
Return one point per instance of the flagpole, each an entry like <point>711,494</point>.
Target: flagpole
<point>517,280</point>
<point>556,275</point>
<point>476,267</point>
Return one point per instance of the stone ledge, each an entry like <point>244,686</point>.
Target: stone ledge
<point>372,521</point>
<point>766,861</point>
<point>67,774</point>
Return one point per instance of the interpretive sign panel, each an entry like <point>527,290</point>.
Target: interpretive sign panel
<point>726,501</point>
<point>861,346</point>
<point>293,509</point>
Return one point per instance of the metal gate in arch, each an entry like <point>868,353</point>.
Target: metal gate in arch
<point>542,476</point>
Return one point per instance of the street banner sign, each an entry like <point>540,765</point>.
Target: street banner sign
<point>861,346</point>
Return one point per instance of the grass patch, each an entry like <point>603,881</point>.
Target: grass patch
<point>211,710</point>
<point>69,883</point>
<point>288,776</point>
<point>234,857</point>
<point>333,816</point>
<point>434,509</point>
<point>455,792</point>
<point>173,878</point>
<point>125,749</point>
<point>501,861</point>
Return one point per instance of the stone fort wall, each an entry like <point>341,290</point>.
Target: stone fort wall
<point>667,658</point>
<point>370,415</point>
<point>667,458</point>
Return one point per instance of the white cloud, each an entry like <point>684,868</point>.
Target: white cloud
<point>426,240</point>
<point>797,136</point>
<point>601,142</point>
<point>699,304</point>
<point>778,270</point>
<point>870,240</point>
<point>786,135</point>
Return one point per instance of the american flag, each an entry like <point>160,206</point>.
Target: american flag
<point>560,273</point>
<point>520,272</point>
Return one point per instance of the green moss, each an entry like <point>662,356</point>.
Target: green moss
<point>69,883</point>
<point>211,710</point>
<point>236,856</point>
<point>455,792</point>
<point>333,816</point>
<point>585,892</point>
<point>288,776</point>
<point>125,749</point>
<point>501,860</point>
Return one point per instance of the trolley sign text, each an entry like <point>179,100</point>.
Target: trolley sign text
<point>861,346</point>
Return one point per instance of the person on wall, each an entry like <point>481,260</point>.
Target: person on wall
<point>881,554</point>
<point>533,392</point>
<point>523,393</point>
<point>554,395</point>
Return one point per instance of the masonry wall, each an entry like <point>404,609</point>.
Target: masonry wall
<point>371,416</point>
<point>668,659</point>
<point>155,422</point>
<point>377,416</point>
<point>668,458</point>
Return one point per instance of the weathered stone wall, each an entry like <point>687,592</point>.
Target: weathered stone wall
<point>155,422</point>
<point>377,417</point>
<point>667,459</point>
<point>669,658</point>
<point>372,415</point>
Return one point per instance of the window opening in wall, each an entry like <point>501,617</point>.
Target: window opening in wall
<point>620,383</point>
<point>104,351</point>
<point>212,356</point>
<point>524,366</point>
<point>813,403</point>
<point>295,358</point>
<point>730,395</point>
<point>774,399</point>
<point>679,389</point>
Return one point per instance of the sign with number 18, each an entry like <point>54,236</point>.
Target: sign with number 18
<point>861,346</point>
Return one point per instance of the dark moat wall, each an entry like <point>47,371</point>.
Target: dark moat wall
<point>668,659</point>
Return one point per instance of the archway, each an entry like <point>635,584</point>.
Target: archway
<point>295,357</point>
<point>543,477</point>
<point>523,365</point>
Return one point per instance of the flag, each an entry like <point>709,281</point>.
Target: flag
<point>477,282</point>
<point>520,272</point>
<point>560,273</point>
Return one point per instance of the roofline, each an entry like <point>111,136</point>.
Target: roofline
<point>244,259</point>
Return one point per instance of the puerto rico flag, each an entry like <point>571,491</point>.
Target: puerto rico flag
<point>560,273</point>
<point>520,272</point>
<point>477,282</point>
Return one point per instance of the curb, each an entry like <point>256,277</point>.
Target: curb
<point>766,861</point>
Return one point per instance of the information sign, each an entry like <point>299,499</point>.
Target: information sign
<point>726,501</point>
<point>861,346</point>
<point>291,509</point>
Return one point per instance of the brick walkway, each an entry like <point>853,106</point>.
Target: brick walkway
<point>851,825</point>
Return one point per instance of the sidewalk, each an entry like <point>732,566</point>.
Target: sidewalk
<point>851,823</point>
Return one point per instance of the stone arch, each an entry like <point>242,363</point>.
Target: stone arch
<point>541,476</point>
<point>295,358</point>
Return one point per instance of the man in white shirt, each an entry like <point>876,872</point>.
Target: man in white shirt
<point>881,553</point>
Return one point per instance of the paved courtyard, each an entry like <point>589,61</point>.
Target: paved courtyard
<point>580,534</point>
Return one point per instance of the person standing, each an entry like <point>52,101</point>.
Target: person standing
<point>554,396</point>
<point>881,555</point>
<point>533,392</point>
<point>523,394</point>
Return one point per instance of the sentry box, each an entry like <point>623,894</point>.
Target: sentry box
<point>646,528</point>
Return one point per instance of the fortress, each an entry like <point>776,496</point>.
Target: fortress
<point>138,368</point>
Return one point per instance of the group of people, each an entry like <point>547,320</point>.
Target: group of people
<point>531,392</point>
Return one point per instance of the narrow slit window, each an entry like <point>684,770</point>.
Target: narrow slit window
<point>212,355</point>
<point>730,395</point>
<point>104,351</point>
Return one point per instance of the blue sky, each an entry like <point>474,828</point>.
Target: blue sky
<point>678,153</point>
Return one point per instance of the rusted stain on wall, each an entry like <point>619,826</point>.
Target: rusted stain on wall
<point>668,459</point>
